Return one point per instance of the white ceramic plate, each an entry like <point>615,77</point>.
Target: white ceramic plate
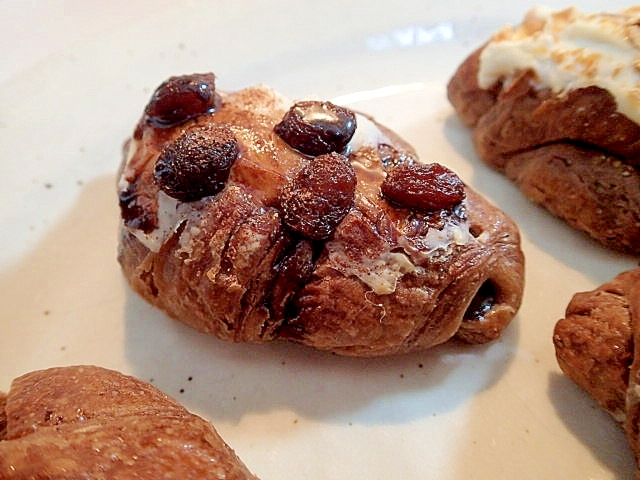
<point>496,411</point>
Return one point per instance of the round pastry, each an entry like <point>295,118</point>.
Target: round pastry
<point>252,219</point>
<point>89,422</point>
<point>598,347</point>
<point>554,105</point>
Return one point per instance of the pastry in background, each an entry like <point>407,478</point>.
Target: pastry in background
<point>554,105</point>
<point>252,219</point>
<point>598,346</point>
<point>90,422</point>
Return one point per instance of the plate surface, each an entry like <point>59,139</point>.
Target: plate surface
<point>497,411</point>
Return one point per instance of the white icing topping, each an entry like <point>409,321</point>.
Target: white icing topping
<point>381,271</point>
<point>451,235</point>
<point>568,50</point>
<point>171,213</point>
<point>381,274</point>
<point>367,134</point>
<point>438,242</point>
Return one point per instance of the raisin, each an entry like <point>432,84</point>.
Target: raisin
<point>292,273</point>
<point>316,200</point>
<point>424,187</point>
<point>482,302</point>
<point>136,210</point>
<point>315,128</point>
<point>197,163</point>
<point>180,98</point>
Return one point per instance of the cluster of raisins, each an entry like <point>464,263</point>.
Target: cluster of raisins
<point>322,193</point>
<point>315,202</point>
<point>180,98</point>
<point>197,163</point>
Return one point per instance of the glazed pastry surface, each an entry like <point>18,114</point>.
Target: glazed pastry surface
<point>318,226</point>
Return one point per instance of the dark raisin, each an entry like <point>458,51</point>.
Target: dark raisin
<point>315,128</point>
<point>197,163</point>
<point>136,210</point>
<point>482,302</point>
<point>318,198</point>
<point>292,273</point>
<point>180,98</point>
<point>424,187</point>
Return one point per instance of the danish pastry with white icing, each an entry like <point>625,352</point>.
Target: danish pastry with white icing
<point>554,105</point>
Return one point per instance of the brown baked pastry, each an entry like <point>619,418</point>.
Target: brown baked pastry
<point>598,347</point>
<point>553,105</point>
<point>251,219</point>
<point>89,422</point>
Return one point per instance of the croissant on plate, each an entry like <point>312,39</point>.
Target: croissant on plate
<point>252,218</point>
<point>90,422</point>
<point>597,346</point>
<point>553,105</point>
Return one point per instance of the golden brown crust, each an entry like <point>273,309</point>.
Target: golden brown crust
<point>592,191</point>
<point>548,143</point>
<point>597,347</point>
<point>423,311</point>
<point>89,422</point>
<point>470,101</point>
<point>383,282</point>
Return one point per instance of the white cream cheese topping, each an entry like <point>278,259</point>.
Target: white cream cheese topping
<point>568,50</point>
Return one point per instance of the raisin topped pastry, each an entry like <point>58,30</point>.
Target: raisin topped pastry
<point>252,219</point>
<point>554,105</point>
<point>598,347</point>
<point>89,422</point>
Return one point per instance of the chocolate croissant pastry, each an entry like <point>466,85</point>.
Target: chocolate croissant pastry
<point>89,422</point>
<point>553,105</point>
<point>253,219</point>
<point>598,346</point>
